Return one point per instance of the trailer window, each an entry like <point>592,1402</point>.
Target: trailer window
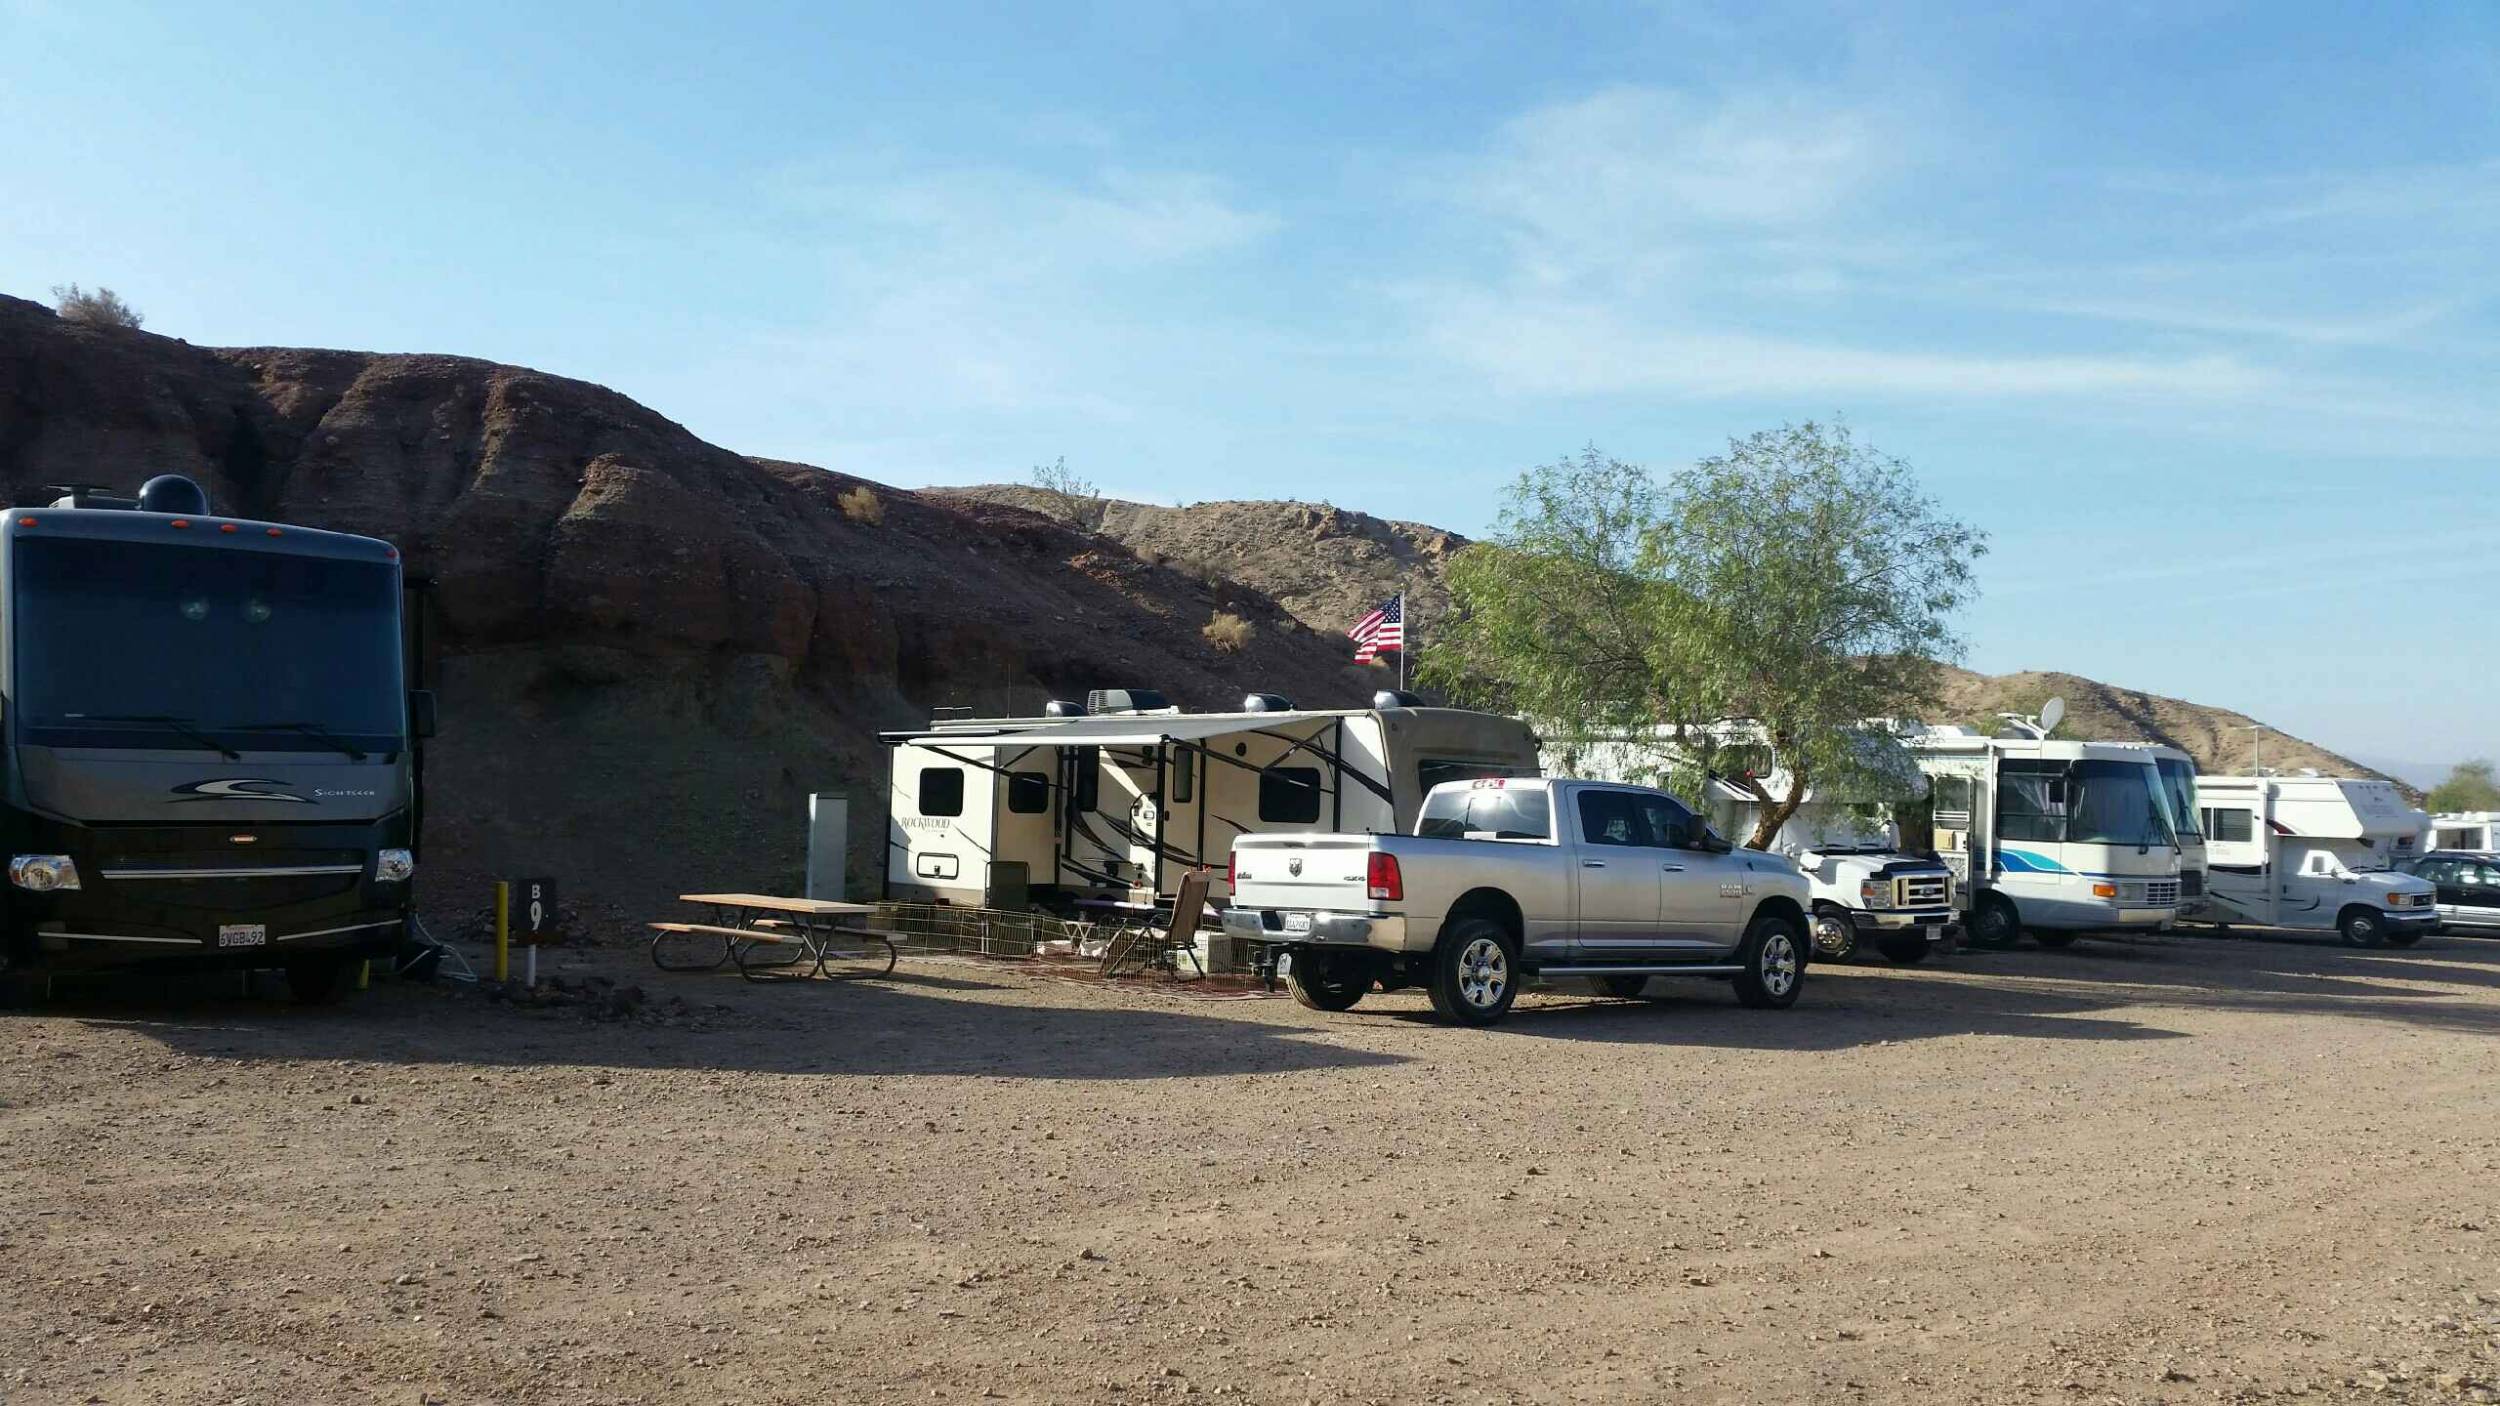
<point>941,791</point>
<point>1289,795</point>
<point>2231,827</point>
<point>1184,775</point>
<point>1028,792</point>
<point>1430,772</point>
<point>1486,815</point>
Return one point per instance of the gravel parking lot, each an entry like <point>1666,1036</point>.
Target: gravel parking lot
<point>2182,1169</point>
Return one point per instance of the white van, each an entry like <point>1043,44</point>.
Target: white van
<point>2316,852</point>
<point>1120,798</point>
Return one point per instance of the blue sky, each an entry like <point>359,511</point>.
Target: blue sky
<point>2191,306</point>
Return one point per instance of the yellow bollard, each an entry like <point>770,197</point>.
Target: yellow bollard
<point>503,931</point>
<point>364,975</point>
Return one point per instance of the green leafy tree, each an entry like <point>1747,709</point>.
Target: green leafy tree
<point>2470,786</point>
<point>1751,614</point>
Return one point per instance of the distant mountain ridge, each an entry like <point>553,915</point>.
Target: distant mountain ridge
<point>1326,565</point>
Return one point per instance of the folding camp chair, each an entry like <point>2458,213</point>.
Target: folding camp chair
<point>1146,947</point>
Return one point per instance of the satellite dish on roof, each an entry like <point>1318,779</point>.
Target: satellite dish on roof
<point>2052,713</point>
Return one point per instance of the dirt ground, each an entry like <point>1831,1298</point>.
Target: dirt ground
<point>2183,1169</point>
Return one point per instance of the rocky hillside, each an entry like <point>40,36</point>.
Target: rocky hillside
<point>651,649</point>
<point>1325,565</point>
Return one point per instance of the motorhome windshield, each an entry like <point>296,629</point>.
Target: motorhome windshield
<point>2178,785</point>
<point>2116,803</point>
<point>122,644</point>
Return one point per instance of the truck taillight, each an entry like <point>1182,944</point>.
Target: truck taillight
<point>1382,879</point>
<point>1232,872</point>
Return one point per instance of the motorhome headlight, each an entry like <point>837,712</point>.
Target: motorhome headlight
<point>43,873</point>
<point>1875,893</point>
<point>393,866</point>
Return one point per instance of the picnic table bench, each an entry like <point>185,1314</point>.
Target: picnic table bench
<point>823,931</point>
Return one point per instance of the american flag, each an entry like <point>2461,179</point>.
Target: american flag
<point>1382,630</point>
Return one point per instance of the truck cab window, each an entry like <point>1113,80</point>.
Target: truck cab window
<point>1612,818</point>
<point>941,791</point>
<point>1290,795</point>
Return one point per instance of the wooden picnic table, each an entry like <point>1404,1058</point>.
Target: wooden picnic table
<point>743,923</point>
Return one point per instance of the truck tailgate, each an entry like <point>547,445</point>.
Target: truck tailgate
<point>1326,872</point>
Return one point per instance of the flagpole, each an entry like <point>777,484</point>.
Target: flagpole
<point>1406,642</point>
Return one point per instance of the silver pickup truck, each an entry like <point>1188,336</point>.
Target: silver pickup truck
<point>1509,878</point>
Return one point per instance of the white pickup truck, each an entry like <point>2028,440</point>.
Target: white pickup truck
<point>1511,878</point>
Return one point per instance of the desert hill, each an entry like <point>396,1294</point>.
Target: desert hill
<point>1324,564</point>
<point>649,649</point>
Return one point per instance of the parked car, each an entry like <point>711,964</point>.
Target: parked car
<point>1510,878</point>
<point>2468,885</point>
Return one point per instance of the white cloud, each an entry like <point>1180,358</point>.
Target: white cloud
<point>1004,219</point>
<point>1537,346</point>
<point>1620,182</point>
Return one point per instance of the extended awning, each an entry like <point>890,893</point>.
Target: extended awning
<point>1130,731</point>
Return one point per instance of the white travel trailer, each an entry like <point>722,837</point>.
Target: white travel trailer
<point>2318,852</point>
<point>1121,798</point>
<point>2050,837</point>
<point>2475,831</point>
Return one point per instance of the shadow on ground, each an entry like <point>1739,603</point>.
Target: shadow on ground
<point>965,1019</point>
<point>933,1020</point>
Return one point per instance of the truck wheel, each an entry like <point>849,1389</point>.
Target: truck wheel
<point>2361,928</point>
<point>1475,972</point>
<point>1994,923</point>
<point>1906,948</point>
<point>1835,935</point>
<point>1774,965</point>
<point>2050,937</point>
<point>1329,983</point>
<point>316,981</point>
<point>1623,988</point>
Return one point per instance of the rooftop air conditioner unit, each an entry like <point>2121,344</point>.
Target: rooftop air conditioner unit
<point>1127,700</point>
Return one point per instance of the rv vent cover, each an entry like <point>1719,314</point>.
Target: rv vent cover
<point>1125,700</point>
<point>1267,703</point>
<point>1396,698</point>
<point>1063,708</point>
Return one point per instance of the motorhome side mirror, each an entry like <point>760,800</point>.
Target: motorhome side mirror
<point>421,712</point>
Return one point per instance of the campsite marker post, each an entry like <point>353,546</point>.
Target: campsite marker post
<point>503,931</point>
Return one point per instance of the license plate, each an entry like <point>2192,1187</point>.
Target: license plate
<point>243,935</point>
<point>1297,922</point>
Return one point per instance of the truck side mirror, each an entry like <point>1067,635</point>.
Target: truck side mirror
<point>421,712</point>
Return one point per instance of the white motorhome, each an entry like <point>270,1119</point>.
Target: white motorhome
<point>1122,797</point>
<point>2311,851</point>
<point>2475,831</point>
<point>2178,793</point>
<point>2050,837</point>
